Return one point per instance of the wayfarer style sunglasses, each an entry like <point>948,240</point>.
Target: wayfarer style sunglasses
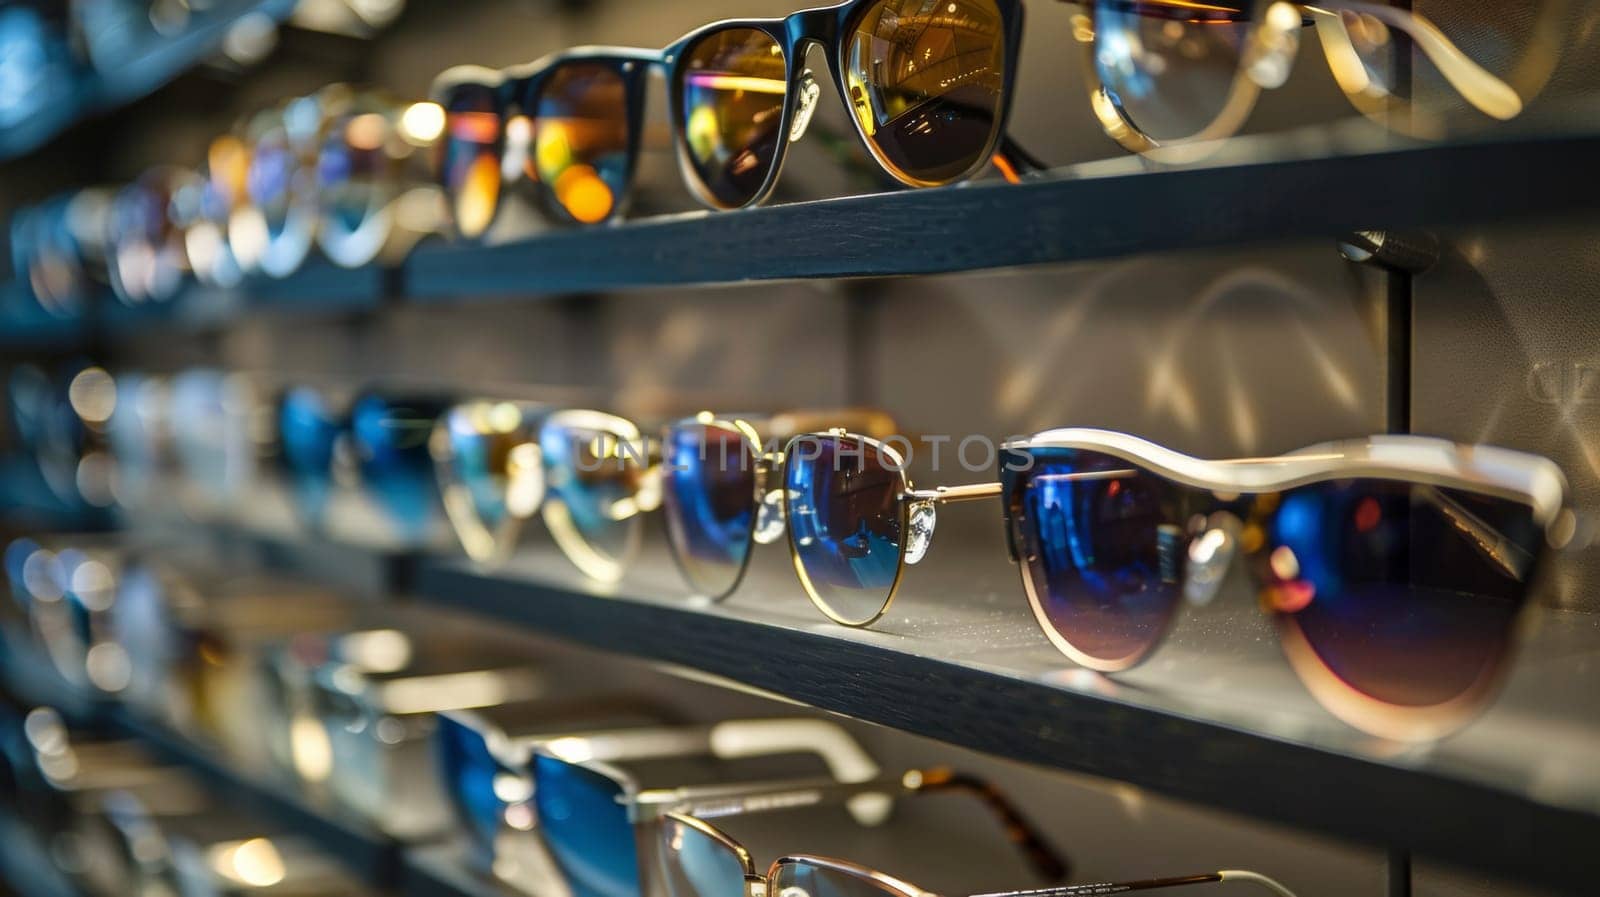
<point>1395,567</point>
<point>1164,73</point>
<point>928,85</point>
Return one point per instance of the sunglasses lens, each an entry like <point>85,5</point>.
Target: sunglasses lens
<point>698,865</point>
<point>733,87</point>
<point>710,500</point>
<point>308,432</point>
<point>581,140</point>
<point>390,439</point>
<point>927,84</point>
<point>1171,68</point>
<point>592,510</point>
<point>586,827</point>
<point>807,877</point>
<point>842,496</point>
<point>470,775</point>
<point>1102,547</point>
<point>1405,593</point>
<point>468,158</point>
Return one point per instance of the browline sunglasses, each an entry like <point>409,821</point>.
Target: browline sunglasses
<point>1163,74</point>
<point>1396,567</point>
<point>592,815</point>
<point>928,86</point>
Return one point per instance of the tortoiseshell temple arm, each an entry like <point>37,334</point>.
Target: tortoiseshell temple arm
<point>1151,884</point>
<point>708,802</point>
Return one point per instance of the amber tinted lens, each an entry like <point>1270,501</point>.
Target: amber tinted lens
<point>469,156</point>
<point>581,139</point>
<point>1171,67</point>
<point>927,84</point>
<point>732,92</point>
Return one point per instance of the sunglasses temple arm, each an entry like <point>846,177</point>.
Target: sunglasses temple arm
<point>1014,162</point>
<point>1050,863</point>
<point>869,801</point>
<point>846,760</point>
<point>1151,884</point>
<point>1489,94</point>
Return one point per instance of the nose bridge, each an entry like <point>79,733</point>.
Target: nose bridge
<point>812,26</point>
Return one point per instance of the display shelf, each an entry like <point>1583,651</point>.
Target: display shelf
<point>1094,211</point>
<point>26,500</point>
<point>167,58</point>
<point>26,327</point>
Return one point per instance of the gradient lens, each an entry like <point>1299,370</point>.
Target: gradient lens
<point>1405,593</point>
<point>490,469</point>
<point>594,476</point>
<point>927,84</point>
<point>586,827</point>
<point>697,864</point>
<point>732,91</point>
<point>581,140</point>
<point>468,158</point>
<point>1102,549</point>
<point>1171,67</point>
<point>802,876</point>
<point>475,782</point>
<point>390,439</point>
<point>309,432</point>
<point>842,498</point>
<point>710,503</point>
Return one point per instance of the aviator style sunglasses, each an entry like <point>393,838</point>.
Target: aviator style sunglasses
<point>928,86</point>
<point>1395,567</point>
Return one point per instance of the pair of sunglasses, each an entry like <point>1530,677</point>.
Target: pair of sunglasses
<point>700,860</point>
<point>1165,73</point>
<point>587,810</point>
<point>585,473</point>
<point>928,86</point>
<point>1396,568</point>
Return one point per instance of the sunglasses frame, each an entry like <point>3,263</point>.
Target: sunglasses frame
<point>1495,472</point>
<point>381,233</point>
<point>826,27</point>
<point>761,474</point>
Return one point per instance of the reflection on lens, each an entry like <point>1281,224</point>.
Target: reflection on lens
<point>732,92</point>
<point>146,259</point>
<point>390,439</point>
<point>595,477</point>
<point>808,877</point>
<point>358,169</point>
<point>927,83</point>
<point>491,470</point>
<point>1102,550</point>
<point>581,139</point>
<point>586,827</point>
<point>469,773</point>
<point>698,864</point>
<point>468,158</point>
<point>842,498</point>
<point>1170,67</point>
<point>1406,593</point>
<point>709,499</point>
<point>309,431</point>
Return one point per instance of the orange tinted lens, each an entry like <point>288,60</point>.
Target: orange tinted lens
<point>581,139</point>
<point>469,156</point>
<point>927,84</point>
<point>733,87</point>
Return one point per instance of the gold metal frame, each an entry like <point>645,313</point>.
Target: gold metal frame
<point>558,518</point>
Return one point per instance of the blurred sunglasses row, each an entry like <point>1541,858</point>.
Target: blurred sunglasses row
<point>1396,568</point>
<point>928,88</point>
<point>606,792</point>
<point>341,170</point>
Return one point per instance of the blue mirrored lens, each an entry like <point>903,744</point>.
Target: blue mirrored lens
<point>469,772</point>
<point>843,502</point>
<point>1103,546</point>
<point>309,431</point>
<point>586,827</point>
<point>390,438</point>
<point>709,500</point>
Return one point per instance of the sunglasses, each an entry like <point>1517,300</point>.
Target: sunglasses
<point>145,257</point>
<point>585,473</point>
<point>203,209</point>
<point>1163,73</point>
<point>587,809</point>
<point>928,88</point>
<point>1395,568</point>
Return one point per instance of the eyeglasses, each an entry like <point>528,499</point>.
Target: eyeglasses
<point>1164,73</point>
<point>585,473</point>
<point>928,87</point>
<point>700,860</point>
<point>1395,567</point>
<point>715,491</point>
<point>586,808</point>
